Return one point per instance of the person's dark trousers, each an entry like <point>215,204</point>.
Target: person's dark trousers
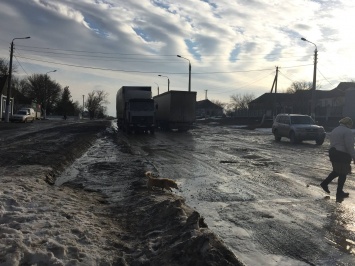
<point>341,181</point>
<point>330,178</point>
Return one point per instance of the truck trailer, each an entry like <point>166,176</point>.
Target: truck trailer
<point>135,109</point>
<point>175,110</point>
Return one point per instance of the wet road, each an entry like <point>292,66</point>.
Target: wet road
<point>260,196</point>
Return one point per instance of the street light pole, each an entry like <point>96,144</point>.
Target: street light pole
<point>45,93</point>
<point>313,102</point>
<point>158,87</point>
<point>7,110</point>
<point>83,104</point>
<point>168,81</point>
<point>189,70</point>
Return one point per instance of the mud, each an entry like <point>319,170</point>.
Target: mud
<point>95,212</point>
<point>242,198</point>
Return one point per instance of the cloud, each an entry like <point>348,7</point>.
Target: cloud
<point>110,43</point>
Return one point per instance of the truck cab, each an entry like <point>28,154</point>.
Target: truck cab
<point>135,109</point>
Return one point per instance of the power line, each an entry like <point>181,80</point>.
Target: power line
<point>29,64</point>
<point>93,52</point>
<point>286,76</point>
<point>109,58</point>
<point>246,85</point>
<point>20,65</point>
<point>96,54</point>
<point>146,72</point>
<point>324,77</point>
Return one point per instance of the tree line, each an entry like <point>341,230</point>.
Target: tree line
<point>240,102</point>
<point>51,96</point>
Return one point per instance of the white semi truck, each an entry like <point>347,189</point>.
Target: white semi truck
<point>135,109</point>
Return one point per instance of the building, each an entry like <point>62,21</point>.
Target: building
<point>206,108</point>
<point>330,105</point>
<point>3,97</point>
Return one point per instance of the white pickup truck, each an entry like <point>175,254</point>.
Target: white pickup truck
<point>24,115</point>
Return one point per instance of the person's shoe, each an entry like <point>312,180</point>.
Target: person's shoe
<point>342,195</point>
<point>339,200</point>
<point>325,187</point>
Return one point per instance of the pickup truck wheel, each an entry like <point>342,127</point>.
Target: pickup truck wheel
<point>319,141</point>
<point>277,137</point>
<point>25,121</point>
<point>293,138</point>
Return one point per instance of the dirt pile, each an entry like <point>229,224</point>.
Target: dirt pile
<point>167,232</point>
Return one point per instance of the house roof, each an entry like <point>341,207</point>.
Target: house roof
<point>343,86</point>
<point>291,97</point>
<point>269,97</point>
<point>207,104</point>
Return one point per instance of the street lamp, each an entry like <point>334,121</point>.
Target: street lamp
<point>45,92</point>
<point>7,110</point>
<point>168,80</point>
<point>158,87</point>
<point>313,103</point>
<point>189,70</point>
<point>83,105</point>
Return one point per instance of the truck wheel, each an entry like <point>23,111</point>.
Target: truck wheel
<point>319,141</point>
<point>277,137</point>
<point>293,139</point>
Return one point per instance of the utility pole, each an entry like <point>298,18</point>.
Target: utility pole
<point>205,94</point>
<point>313,105</point>
<point>7,110</point>
<point>189,75</point>
<point>83,104</point>
<point>189,70</point>
<point>274,85</point>
<point>45,93</point>
<point>313,100</point>
<point>168,81</point>
<point>8,96</point>
<point>157,86</point>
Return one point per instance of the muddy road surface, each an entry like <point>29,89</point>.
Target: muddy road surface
<point>74,193</point>
<point>260,196</point>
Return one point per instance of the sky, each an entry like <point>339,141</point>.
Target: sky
<point>233,46</point>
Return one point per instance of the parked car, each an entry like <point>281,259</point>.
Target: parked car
<point>297,128</point>
<point>23,116</point>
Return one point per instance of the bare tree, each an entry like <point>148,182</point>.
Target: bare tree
<point>4,67</point>
<point>240,102</point>
<point>219,103</point>
<point>299,86</point>
<point>95,102</point>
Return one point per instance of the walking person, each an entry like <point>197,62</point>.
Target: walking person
<point>341,153</point>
